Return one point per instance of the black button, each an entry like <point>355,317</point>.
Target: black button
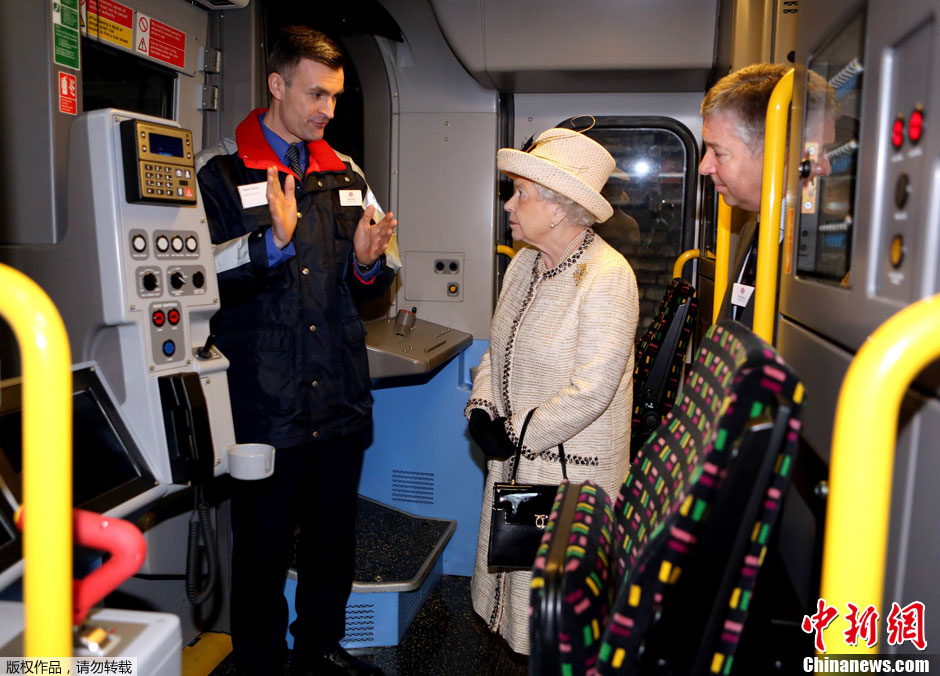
<point>902,190</point>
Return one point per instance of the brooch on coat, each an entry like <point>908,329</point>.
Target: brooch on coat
<point>579,272</point>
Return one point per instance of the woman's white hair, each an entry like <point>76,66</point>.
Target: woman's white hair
<point>578,214</point>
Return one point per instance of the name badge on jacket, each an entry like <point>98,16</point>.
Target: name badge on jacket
<point>741,294</point>
<point>253,194</point>
<point>350,198</point>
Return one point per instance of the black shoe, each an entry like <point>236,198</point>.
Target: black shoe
<point>319,666</point>
<point>351,664</point>
<point>337,662</point>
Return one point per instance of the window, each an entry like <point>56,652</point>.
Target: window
<point>831,134</point>
<point>112,78</point>
<point>652,191</point>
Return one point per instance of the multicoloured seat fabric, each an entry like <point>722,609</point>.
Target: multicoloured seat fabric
<point>664,497</point>
<point>666,340</point>
<point>684,592</point>
<point>571,581</point>
<point>662,471</point>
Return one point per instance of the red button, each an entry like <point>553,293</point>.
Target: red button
<point>174,316</point>
<point>897,132</point>
<point>159,318</point>
<point>915,128</point>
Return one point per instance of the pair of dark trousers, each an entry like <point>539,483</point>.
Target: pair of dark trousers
<point>314,486</point>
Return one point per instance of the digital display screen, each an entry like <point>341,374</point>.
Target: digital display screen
<point>166,145</point>
<point>101,461</point>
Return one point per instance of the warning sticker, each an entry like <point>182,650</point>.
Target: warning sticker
<point>160,41</point>
<point>110,21</point>
<point>68,93</point>
<point>65,51</point>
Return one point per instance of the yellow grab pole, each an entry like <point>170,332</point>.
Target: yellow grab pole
<point>503,249</point>
<point>684,258</point>
<point>862,461</point>
<point>47,463</point>
<point>722,256</point>
<point>775,154</point>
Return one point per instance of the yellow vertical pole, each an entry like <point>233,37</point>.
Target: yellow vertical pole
<point>723,256</point>
<point>775,155</point>
<point>47,463</point>
<point>862,461</point>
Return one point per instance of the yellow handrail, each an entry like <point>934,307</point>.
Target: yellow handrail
<point>775,154</point>
<point>685,257</point>
<point>862,462</point>
<point>722,256</point>
<point>503,249</point>
<point>47,463</point>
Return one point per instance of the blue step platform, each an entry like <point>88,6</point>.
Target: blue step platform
<point>398,562</point>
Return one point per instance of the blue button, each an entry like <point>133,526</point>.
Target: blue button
<point>169,347</point>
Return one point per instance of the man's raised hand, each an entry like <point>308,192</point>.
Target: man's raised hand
<point>371,239</point>
<point>283,206</point>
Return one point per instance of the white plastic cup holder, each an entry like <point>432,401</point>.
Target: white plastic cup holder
<point>251,462</point>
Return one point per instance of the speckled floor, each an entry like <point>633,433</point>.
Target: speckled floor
<point>446,638</point>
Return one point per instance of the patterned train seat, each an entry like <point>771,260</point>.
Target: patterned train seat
<point>658,360</point>
<point>739,401</point>
<point>571,583</point>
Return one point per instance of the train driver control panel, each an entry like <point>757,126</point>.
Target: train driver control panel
<point>159,169</point>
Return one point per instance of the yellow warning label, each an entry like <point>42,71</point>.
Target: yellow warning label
<point>111,21</point>
<point>109,31</point>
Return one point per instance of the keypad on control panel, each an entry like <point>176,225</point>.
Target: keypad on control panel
<point>162,180</point>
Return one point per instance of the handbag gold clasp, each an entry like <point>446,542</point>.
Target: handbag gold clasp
<point>540,521</point>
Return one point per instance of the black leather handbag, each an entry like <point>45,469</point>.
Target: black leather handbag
<point>520,512</point>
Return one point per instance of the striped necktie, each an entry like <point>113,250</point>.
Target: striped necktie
<point>293,158</point>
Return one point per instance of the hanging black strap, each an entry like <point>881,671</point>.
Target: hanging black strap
<point>515,463</point>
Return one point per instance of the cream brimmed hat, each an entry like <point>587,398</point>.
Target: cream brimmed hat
<point>569,163</point>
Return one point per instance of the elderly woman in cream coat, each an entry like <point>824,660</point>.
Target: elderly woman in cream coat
<point>561,342</point>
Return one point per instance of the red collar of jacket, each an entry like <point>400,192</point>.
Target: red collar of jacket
<point>255,152</point>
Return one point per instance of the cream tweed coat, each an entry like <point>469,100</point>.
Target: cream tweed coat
<point>560,340</point>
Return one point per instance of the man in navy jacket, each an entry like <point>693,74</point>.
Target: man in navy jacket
<point>295,246</point>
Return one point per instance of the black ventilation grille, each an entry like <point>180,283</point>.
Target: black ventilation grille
<point>360,623</point>
<point>414,487</point>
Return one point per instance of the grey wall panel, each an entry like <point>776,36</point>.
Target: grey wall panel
<point>447,174</point>
<point>242,83</point>
<point>428,77</point>
<point>913,549</point>
<point>821,366</point>
<point>462,25</point>
<point>443,165</point>
<point>848,316</point>
<point>377,97</point>
<point>604,45</point>
<point>33,133</point>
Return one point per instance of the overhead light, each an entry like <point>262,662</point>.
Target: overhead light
<point>223,4</point>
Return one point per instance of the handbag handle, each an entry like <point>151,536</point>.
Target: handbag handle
<point>517,456</point>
